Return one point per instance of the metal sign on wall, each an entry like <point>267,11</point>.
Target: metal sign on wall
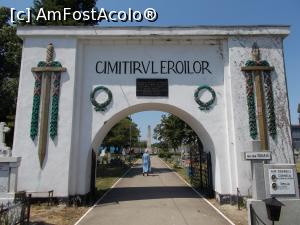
<point>257,155</point>
<point>282,182</point>
<point>152,87</point>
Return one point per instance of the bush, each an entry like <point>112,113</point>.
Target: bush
<point>176,165</point>
<point>164,154</point>
<point>138,156</point>
<point>116,162</point>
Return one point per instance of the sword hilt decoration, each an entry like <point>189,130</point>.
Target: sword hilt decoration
<point>50,53</point>
<point>255,53</point>
<point>43,73</point>
<point>261,70</point>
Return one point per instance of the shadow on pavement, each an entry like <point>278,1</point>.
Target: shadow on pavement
<point>146,193</point>
<point>119,194</point>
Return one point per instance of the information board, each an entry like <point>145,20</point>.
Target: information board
<point>281,182</point>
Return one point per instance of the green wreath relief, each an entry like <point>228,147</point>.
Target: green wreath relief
<point>205,105</point>
<point>97,106</point>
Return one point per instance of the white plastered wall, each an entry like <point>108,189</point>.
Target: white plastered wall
<point>180,101</point>
<point>55,171</point>
<point>239,52</point>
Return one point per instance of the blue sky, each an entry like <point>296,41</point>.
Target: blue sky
<point>215,12</point>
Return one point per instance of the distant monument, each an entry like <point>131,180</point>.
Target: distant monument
<point>298,112</point>
<point>149,138</point>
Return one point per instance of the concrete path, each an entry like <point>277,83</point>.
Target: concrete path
<point>162,198</point>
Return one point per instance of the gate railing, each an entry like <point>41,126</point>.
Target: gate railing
<point>17,212</point>
<point>201,171</point>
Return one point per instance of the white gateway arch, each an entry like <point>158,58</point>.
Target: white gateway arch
<point>205,58</point>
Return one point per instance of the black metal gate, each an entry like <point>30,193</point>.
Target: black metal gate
<point>201,170</point>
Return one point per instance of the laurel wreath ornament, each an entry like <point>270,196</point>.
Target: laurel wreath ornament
<point>101,106</point>
<point>205,105</point>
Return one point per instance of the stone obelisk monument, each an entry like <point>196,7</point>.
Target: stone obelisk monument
<point>298,112</point>
<point>149,138</point>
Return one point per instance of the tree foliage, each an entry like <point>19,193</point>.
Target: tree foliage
<point>142,144</point>
<point>119,135</point>
<point>10,58</point>
<point>11,48</point>
<point>174,132</point>
<point>59,5</point>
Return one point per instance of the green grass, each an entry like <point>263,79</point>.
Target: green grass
<point>180,170</point>
<point>107,176</point>
<point>298,167</point>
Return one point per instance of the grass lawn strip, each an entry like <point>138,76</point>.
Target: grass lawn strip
<point>298,167</point>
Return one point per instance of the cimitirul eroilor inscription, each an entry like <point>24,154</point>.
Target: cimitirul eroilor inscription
<point>153,67</point>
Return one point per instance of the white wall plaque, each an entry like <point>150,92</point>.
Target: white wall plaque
<point>257,155</point>
<point>281,182</point>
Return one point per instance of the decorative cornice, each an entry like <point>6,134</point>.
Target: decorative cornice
<point>152,32</point>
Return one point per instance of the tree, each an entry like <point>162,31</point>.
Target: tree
<point>119,136</point>
<point>167,131</point>
<point>160,145</point>
<point>174,132</point>
<point>10,58</point>
<point>11,48</point>
<point>59,5</point>
<point>142,144</point>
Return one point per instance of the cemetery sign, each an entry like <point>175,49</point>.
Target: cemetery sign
<point>281,182</point>
<point>257,155</point>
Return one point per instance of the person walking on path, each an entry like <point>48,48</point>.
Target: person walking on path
<point>146,162</point>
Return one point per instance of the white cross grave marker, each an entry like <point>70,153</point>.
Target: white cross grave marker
<point>4,150</point>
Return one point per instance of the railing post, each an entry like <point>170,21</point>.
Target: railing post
<point>28,208</point>
<point>49,198</point>
<point>238,198</point>
<point>1,211</point>
<point>251,215</point>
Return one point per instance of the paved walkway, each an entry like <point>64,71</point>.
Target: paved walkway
<point>159,199</point>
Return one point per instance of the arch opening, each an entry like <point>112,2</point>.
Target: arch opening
<point>207,145</point>
<point>195,124</point>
